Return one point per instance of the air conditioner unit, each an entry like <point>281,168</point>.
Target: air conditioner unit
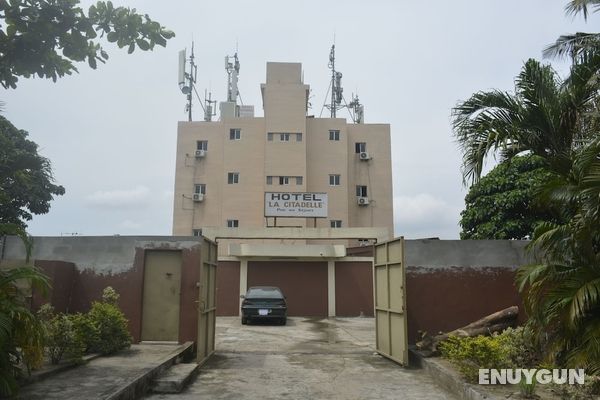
<point>364,156</point>
<point>198,197</point>
<point>363,201</point>
<point>200,153</point>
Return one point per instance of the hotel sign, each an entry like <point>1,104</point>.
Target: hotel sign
<point>297,205</point>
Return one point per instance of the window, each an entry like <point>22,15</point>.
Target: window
<point>200,188</point>
<point>334,135</point>
<point>202,145</point>
<point>361,191</point>
<point>298,137</point>
<point>233,178</point>
<point>270,136</point>
<point>235,134</point>
<point>233,223</point>
<point>360,147</point>
<point>284,180</point>
<point>196,232</point>
<point>335,223</point>
<point>284,137</point>
<point>299,180</point>
<point>334,180</point>
<point>269,180</point>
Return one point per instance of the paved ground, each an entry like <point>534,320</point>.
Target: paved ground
<point>307,359</point>
<point>101,376</point>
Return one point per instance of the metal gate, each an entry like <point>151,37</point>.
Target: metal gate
<point>389,281</point>
<point>207,305</point>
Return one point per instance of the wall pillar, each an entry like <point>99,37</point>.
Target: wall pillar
<point>331,288</point>
<point>243,281</point>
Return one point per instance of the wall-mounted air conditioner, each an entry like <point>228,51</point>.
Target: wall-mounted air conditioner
<point>198,197</point>
<point>200,153</point>
<point>364,156</point>
<point>362,201</point>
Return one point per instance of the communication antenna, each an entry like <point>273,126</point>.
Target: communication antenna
<point>357,110</point>
<point>209,110</point>
<point>187,79</point>
<point>233,71</point>
<point>337,100</point>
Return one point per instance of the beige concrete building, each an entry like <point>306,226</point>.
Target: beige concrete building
<point>224,168</point>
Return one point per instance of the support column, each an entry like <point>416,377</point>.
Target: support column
<point>331,288</point>
<point>243,281</point>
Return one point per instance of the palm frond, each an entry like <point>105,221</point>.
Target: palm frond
<point>582,6</point>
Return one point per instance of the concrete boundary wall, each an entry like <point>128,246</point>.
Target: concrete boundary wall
<point>450,283</point>
<point>81,267</point>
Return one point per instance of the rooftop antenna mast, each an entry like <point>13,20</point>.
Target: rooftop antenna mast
<point>209,110</point>
<point>233,71</point>
<point>335,86</point>
<point>187,79</point>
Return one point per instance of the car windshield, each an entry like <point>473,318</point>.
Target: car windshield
<point>264,293</point>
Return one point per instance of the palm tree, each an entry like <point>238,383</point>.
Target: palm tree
<point>573,45</point>
<point>545,116</point>
<point>21,332</point>
<point>563,290</point>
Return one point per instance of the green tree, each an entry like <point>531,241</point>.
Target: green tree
<point>501,205</point>
<point>45,37</point>
<point>21,333</point>
<point>562,291</point>
<point>26,182</point>
<point>580,43</point>
<point>546,116</point>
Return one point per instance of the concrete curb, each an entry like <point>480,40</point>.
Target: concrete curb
<point>449,379</point>
<point>52,370</point>
<point>140,384</point>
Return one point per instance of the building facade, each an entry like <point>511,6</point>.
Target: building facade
<point>224,168</point>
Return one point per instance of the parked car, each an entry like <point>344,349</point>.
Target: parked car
<point>264,303</point>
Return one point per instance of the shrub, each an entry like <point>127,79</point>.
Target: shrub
<point>85,330</point>
<point>469,354</point>
<point>60,338</point>
<point>518,347</point>
<point>113,333</point>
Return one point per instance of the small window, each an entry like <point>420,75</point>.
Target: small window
<point>335,223</point>
<point>284,180</point>
<point>232,223</point>
<point>235,134</point>
<point>200,188</point>
<point>298,137</point>
<point>233,178</point>
<point>270,136</point>
<point>361,191</point>
<point>360,147</point>
<point>299,180</point>
<point>269,180</point>
<point>284,137</point>
<point>334,180</point>
<point>202,145</point>
<point>334,135</point>
<point>196,232</point>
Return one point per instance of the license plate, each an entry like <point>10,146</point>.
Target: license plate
<point>263,312</point>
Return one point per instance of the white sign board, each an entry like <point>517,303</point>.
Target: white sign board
<point>294,204</point>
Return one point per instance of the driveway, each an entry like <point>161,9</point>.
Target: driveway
<point>306,359</point>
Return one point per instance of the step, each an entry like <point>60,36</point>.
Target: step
<point>174,379</point>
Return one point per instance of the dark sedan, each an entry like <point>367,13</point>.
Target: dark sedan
<point>264,303</point>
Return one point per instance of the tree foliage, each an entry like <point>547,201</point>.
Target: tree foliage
<point>577,44</point>
<point>563,289</point>
<point>26,182</point>
<point>46,37</point>
<point>21,333</point>
<point>501,205</point>
<point>546,116</point>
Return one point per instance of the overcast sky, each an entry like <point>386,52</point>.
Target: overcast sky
<point>111,133</point>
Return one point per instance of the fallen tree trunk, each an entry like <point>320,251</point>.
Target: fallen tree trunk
<point>487,325</point>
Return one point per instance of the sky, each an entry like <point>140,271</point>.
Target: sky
<point>111,133</point>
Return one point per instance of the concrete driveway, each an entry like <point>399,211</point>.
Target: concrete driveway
<point>306,359</point>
